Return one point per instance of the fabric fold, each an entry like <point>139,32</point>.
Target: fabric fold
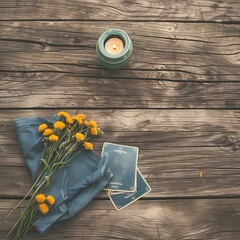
<point>74,186</point>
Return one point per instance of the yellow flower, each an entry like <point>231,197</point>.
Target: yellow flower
<point>79,137</point>
<point>50,199</point>
<point>40,198</point>
<point>47,132</point>
<point>82,116</point>
<point>86,123</point>
<point>88,146</point>
<point>93,123</point>
<point>43,207</point>
<point>53,138</point>
<point>94,131</point>
<point>79,120</point>
<point>59,125</point>
<point>42,127</point>
<point>63,114</point>
<point>69,120</point>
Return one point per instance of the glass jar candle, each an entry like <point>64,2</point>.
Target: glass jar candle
<point>114,48</point>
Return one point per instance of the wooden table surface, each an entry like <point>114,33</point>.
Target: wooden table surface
<point>178,100</point>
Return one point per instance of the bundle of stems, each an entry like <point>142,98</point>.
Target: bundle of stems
<point>62,141</point>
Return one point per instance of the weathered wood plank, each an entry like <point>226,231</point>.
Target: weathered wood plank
<point>175,146</point>
<point>155,140</point>
<point>162,51</point>
<point>143,120</point>
<point>133,120</point>
<point>165,178</point>
<point>58,90</point>
<point>197,10</point>
<point>165,220</point>
<point>185,66</point>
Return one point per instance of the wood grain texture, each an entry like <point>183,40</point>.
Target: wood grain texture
<point>164,51</point>
<point>30,90</point>
<point>197,10</point>
<point>173,219</point>
<point>175,146</point>
<point>174,65</point>
<point>186,56</point>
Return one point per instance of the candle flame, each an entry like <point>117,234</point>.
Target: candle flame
<point>114,46</point>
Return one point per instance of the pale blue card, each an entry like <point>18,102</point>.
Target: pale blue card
<point>123,164</point>
<point>122,200</point>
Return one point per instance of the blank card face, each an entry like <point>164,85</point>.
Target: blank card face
<point>123,164</point>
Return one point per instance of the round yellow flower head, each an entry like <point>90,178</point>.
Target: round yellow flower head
<point>42,127</point>
<point>47,132</point>
<point>93,123</point>
<point>86,123</point>
<point>80,137</point>
<point>69,120</point>
<point>94,131</point>
<point>53,138</point>
<point>79,120</point>
<point>63,114</point>
<point>50,199</point>
<point>43,207</point>
<point>40,198</point>
<point>88,146</point>
<point>82,116</point>
<point>59,125</point>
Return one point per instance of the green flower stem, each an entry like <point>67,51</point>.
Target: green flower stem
<point>73,156</point>
<point>19,225</point>
<point>80,128</point>
<point>52,170</point>
<point>69,151</point>
<point>30,210</point>
<point>34,184</point>
<point>56,158</point>
<point>51,151</point>
<point>18,229</point>
<point>29,221</point>
<point>10,234</point>
<point>76,152</point>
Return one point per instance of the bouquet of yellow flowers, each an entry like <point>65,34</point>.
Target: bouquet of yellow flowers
<point>62,141</point>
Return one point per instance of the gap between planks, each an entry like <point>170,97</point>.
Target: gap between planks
<point>105,20</point>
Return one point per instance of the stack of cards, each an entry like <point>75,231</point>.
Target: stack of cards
<point>127,184</point>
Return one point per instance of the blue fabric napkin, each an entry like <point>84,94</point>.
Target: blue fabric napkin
<point>75,186</point>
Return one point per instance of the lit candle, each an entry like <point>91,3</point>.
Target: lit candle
<point>114,45</point>
<point>114,48</point>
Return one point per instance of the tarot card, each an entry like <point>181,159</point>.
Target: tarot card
<point>123,164</point>
<point>115,192</point>
<point>120,201</point>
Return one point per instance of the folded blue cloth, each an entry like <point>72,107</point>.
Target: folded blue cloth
<point>73,187</point>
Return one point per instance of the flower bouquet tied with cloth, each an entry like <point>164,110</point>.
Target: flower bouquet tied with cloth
<point>66,173</point>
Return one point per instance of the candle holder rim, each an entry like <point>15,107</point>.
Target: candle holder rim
<point>113,32</point>
<point>116,60</point>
